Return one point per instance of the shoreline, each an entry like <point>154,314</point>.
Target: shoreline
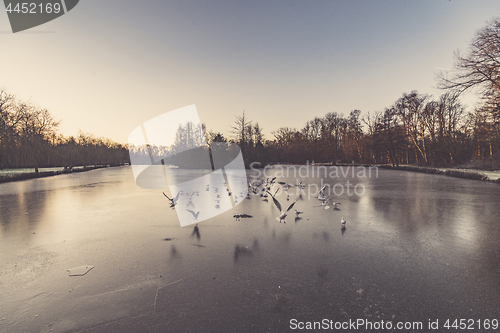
<point>473,174</point>
<point>43,174</point>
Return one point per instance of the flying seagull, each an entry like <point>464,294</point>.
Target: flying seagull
<point>325,203</point>
<point>255,188</point>
<point>282,211</point>
<point>322,196</point>
<point>195,215</point>
<point>191,195</point>
<point>173,201</point>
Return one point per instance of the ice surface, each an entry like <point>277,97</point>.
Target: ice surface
<point>419,246</point>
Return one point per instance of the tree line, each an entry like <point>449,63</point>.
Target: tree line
<point>416,129</point>
<point>29,138</point>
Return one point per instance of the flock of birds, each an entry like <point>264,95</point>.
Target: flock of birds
<point>325,201</point>
<point>262,188</point>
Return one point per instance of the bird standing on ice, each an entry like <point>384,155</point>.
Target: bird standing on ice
<point>343,222</point>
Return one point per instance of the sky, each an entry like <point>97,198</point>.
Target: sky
<point>106,67</point>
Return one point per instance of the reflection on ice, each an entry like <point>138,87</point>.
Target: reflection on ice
<point>241,251</point>
<point>241,216</point>
<point>343,230</point>
<point>196,232</point>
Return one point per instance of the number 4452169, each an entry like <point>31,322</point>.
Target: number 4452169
<point>33,8</point>
<point>471,324</point>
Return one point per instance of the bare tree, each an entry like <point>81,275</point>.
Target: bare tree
<point>240,130</point>
<point>480,68</point>
<point>36,127</point>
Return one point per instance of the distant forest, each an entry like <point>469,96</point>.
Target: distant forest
<point>29,139</point>
<point>416,129</point>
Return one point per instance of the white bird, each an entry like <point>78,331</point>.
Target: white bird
<point>173,201</point>
<point>191,197</point>
<point>268,183</point>
<point>267,191</point>
<point>301,184</point>
<point>282,211</point>
<point>325,203</point>
<point>195,215</point>
<point>343,222</point>
<point>321,196</point>
<point>297,213</point>
<point>255,188</point>
<point>256,182</point>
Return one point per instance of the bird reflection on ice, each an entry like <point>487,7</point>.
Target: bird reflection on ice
<point>196,232</point>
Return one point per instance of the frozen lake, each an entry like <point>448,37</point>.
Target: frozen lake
<point>416,248</point>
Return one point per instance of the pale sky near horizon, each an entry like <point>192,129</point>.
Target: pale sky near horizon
<point>106,67</point>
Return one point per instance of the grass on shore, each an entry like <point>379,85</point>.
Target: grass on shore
<point>490,164</point>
